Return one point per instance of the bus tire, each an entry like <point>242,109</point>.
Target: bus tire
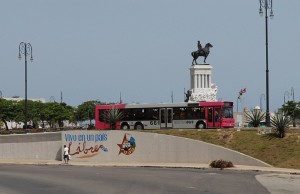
<point>139,126</point>
<point>200,125</point>
<point>125,126</point>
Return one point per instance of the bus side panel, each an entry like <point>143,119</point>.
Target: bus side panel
<point>227,123</point>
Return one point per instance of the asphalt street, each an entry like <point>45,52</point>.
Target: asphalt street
<point>46,179</point>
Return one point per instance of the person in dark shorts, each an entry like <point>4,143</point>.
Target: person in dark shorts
<point>66,154</point>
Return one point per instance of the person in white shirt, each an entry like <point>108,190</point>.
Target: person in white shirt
<point>66,154</point>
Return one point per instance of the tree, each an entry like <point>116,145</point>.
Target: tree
<point>292,109</point>
<point>8,111</point>
<point>86,110</point>
<point>255,117</point>
<point>67,112</point>
<point>62,112</point>
<point>34,110</point>
<point>56,113</point>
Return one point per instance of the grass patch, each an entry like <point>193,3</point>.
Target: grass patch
<point>278,152</point>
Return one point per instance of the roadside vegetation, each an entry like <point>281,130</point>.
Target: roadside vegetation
<point>278,152</point>
<point>49,114</point>
<point>221,164</point>
<point>112,116</point>
<point>255,117</point>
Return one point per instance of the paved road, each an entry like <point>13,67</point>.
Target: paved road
<point>280,183</point>
<point>16,179</point>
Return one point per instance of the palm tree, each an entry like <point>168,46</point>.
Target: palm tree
<point>280,123</point>
<point>255,117</point>
<point>112,116</point>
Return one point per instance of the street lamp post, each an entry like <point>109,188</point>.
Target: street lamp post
<point>292,93</point>
<point>52,99</point>
<point>288,95</point>
<point>25,49</point>
<point>293,96</point>
<point>262,96</point>
<point>237,104</point>
<point>266,4</point>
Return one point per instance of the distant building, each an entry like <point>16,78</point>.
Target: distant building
<point>18,98</point>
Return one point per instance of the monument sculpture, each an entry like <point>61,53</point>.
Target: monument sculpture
<point>201,52</point>
<point>200,78</point>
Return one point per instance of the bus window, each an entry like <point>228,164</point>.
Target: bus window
<point>210,114</point>
<point>170,119</point>
<point>162,115</point>
<point>217,115</point>
<point>227,113</point>
<point>155,113</point>
<point>101,112</point>
<point>202,113</point>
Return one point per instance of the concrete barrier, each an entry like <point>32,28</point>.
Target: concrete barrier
<point>127,147</point>
<point>39,146</point>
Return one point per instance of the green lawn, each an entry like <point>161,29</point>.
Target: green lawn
<point>284,153</point>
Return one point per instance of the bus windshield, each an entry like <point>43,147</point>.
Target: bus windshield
<point>227,112</point>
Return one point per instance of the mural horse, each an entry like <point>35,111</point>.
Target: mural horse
<point>204,52</point>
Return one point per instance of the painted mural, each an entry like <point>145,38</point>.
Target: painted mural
<point>88,144</point>
<point>128,145</point>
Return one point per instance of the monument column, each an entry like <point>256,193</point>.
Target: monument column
<point>201,87</point>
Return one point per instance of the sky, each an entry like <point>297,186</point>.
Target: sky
<point>141,50</point>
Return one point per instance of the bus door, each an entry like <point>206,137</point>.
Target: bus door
<point>166,118</point>
<point>213,117</point>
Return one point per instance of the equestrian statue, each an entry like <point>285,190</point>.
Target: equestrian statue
<point>203,52</point>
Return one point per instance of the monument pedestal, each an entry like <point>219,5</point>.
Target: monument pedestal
<point>201,87</point>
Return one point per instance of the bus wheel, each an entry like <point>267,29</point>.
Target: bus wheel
<point>200,125</point>
<point>125,126</point>
<point>139,126</point>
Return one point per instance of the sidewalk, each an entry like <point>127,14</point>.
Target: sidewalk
<point>163,165</point>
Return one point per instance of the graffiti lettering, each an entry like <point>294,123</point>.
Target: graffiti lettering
<point>81,137</point>
<point>90,137</point>
<point>83,149</point>
<point>101,137</point>
<point>69,137</point>
<point>86,137</point>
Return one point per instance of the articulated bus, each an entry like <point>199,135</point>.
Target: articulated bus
<point>199,115</point>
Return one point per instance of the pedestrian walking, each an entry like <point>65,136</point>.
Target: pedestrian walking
<point>66,154</point>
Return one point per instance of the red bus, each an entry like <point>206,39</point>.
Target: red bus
<point>199,115</point>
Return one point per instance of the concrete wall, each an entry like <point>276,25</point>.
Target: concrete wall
<point>40,146</point>
<point>118,147</point>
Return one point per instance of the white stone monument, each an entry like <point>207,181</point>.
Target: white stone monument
<point>201,87</point>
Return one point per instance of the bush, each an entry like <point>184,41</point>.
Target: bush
<point>221,164</point>
<point>255,117</point>
<point>280,123</point>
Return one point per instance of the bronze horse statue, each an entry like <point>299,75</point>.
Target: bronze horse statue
<point>204,52</point>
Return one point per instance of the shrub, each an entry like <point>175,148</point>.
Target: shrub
<point>221,164</point>
<point>255,117</point>
<point>112,116</point>
<point>280,123</point>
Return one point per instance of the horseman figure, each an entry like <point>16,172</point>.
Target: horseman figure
<point>199,46</point>
<point>204,52</point>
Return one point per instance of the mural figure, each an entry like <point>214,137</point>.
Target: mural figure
<point>127,147</point>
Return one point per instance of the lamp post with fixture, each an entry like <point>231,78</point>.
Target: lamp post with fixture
<point>25,49</point>
<point>267,5</point>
